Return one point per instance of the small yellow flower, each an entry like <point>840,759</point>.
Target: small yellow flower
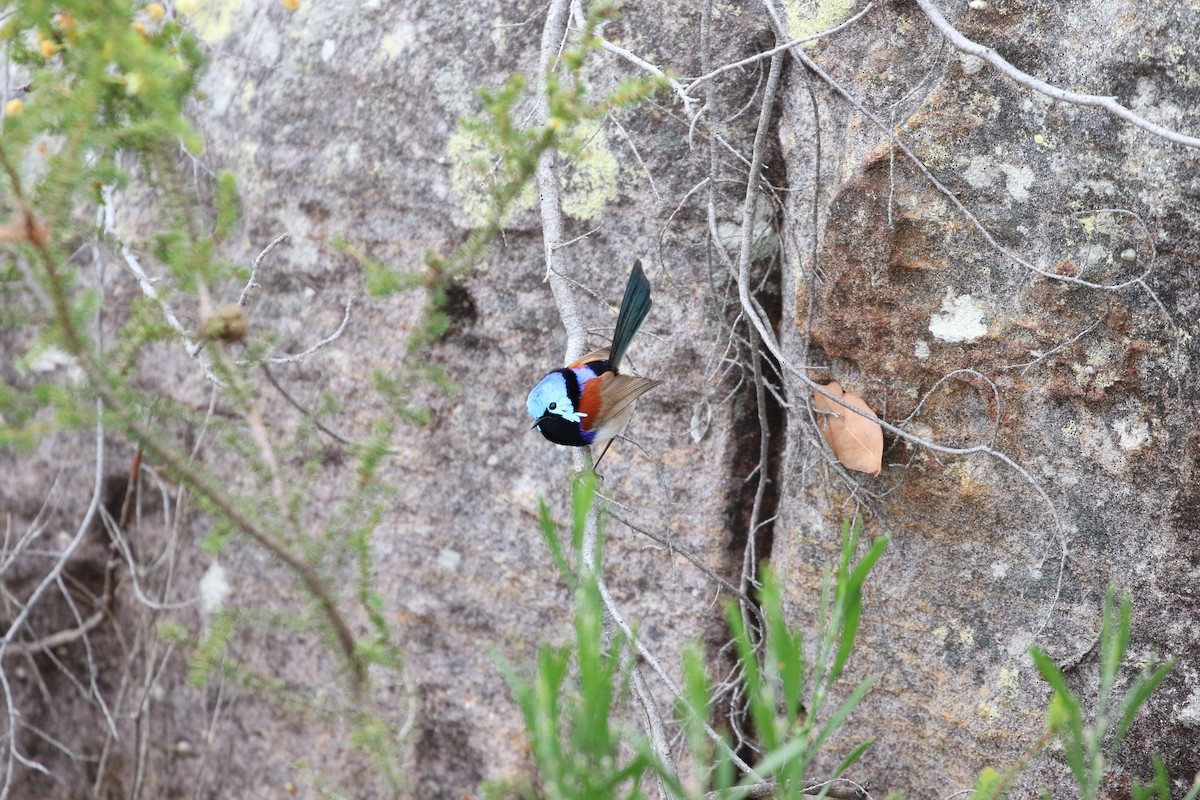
<point>13,108</point>
<point>290,5</point>
<point>156,12</point>
<point>48,48</point>
<point>186,6</point>
<point>140,27</point>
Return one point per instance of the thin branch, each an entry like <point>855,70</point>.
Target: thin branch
<point>1040,356</point>
<point>616,616</point>
<point>959,206</point>
<point>50,579</point>
<point>633,148</point>
<point>695,561</point>
<point>309,415</point>
<point>252,283</point>
<point>58,638</point>
<point>134,266</point>
<point>76,542</point>
<point>754,314</point>
<point>998,61</point>
<point>778,49</point>
<point>150,440</point>
<point>328,340</point>
<point>749,208</point>
<point>756,791</point>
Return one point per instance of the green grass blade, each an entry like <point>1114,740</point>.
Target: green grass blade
<point>843,711</point>
<point>1131,703</point>
<point>785,651</point>
<point>583,495</point>
<point>550,536</point>
<point>1065,718</point>
<point>1114,638</point>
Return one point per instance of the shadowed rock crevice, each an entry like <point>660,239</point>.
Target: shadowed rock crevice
<point>758,423</point>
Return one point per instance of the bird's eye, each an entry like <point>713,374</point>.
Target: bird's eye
<point>553,406</point>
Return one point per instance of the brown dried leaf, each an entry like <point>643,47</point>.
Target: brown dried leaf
<point>856,441</point>
<point>24,229</point>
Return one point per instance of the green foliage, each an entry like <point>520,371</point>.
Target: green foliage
<point>1160,787</point>
<point>108,85</point>
<point>569,703</point>
<point>787,696</point>
<point>1089,747</point>
<point>228,205</point>
<point>568,713</point>
<point>99,86</point>
<point>502,151</point>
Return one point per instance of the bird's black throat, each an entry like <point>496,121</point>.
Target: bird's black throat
<point>562,431</point>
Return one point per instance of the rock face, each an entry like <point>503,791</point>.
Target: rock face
<point>1086,391</point>
<point>340,120</point>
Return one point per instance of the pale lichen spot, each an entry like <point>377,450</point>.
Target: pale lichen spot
<point>402,37</point>
<point>980,173</point>
<point>448,559</point>
<point>214,588</point>
<point>971,64</point>
<point>214,20</point>
<point>1019,180</point>
<point>452,90</point>
<point>1009,681</point>
<point>806,17</point>
<point>592,173</point>
<point>470,159</point>
<point>988,710</point>
<point>1189,713</point>
<point>959,320</point>
<point>1101,354</point>
<point>1132,433</point>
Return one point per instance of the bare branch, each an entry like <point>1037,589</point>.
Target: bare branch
<point>328,340</point>
<point>148,289</point>
<point>550,191</point>
<point>1106,103</point>
<point>1039,357</point>
<point>58,638</point>
<point>50,579</point>
<point>251,283</point>
<point>292,401</point>
<point>778,49</point>
<point>803,58</point>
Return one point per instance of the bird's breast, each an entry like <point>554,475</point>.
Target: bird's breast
<point>590,402</point>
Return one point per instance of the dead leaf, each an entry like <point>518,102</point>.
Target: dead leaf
<point>24,229</point>
<point>856,441</point>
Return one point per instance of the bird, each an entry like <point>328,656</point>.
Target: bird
<point>590,401</point>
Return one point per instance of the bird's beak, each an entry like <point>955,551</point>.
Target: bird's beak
<point>539,421</point>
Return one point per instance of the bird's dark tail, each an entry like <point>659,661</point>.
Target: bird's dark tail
<point>634,308</point>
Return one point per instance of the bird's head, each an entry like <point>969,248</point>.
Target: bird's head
<point>553,411</point>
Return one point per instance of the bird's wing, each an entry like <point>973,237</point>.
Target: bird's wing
<point>595,355</point>
<point>612,400</point>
